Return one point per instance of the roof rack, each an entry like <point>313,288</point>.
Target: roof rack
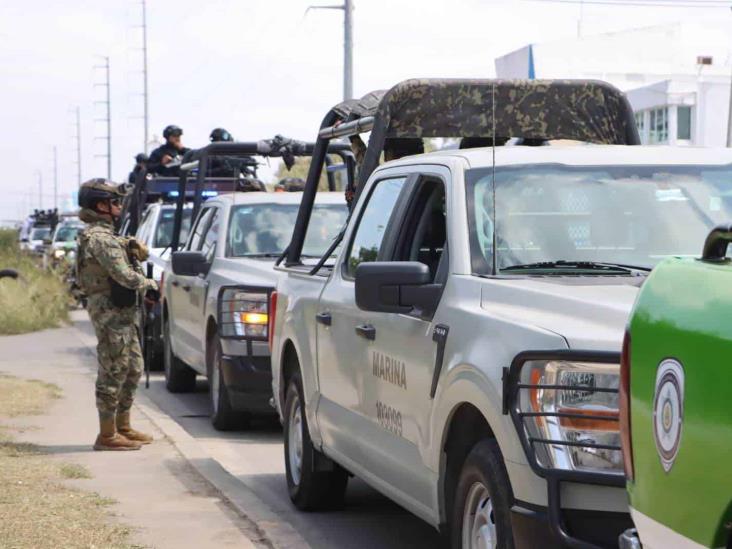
<point>279,146</point>
<point>580,110</point>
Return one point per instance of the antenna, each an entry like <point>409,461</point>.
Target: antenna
<point>108,117</point>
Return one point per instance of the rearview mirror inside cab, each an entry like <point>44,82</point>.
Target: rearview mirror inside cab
<point>396,287</point>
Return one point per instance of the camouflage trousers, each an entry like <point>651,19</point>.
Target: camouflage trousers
<point>118,353</point>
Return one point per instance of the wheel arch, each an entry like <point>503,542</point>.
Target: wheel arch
<point>466,426</point>
<point>289,363</point>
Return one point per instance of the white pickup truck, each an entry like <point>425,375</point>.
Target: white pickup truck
<point>461,354</point>
<point>216,291</point>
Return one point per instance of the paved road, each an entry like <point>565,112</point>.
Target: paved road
<point>255,457</point>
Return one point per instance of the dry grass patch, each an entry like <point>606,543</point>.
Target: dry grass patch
<point>36,509</point>
<point>21,397</point>
<point>38,299</point>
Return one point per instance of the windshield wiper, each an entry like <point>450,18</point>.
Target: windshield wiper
<point>578,266</point>
<point>263,254</point>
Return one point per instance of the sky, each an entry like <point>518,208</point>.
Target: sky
<point>256,67</point>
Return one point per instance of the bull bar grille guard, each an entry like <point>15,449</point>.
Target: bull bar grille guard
<point>511,405</point>
<point>223,322</point>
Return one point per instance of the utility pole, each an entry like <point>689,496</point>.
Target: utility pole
<point>108,117</point>
<point>146,112</point>
<point>729,115</point>
<point>77,140</point>
<point>55,177</point>
<point>39,175</point>
<point>347,8</point>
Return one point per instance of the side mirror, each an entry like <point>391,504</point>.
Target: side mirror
<point>396,287</point>
<point>715,245</point>
<point>189,263</point>
<point>25,240</point>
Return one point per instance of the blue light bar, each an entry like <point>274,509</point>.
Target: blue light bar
<point>209,193</point>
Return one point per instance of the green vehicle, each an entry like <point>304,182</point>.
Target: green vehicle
<point>676,403</point>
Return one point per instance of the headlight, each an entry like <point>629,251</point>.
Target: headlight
<point>58,254</point>
<point>244,313</point>
<point>569,410</point>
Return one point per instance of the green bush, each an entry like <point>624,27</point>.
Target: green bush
<point>38,299</point>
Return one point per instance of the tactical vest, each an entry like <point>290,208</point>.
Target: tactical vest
<point>90,275</point>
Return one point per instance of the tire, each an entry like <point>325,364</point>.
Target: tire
<point>179,378</point>
<point>483,499</point>
<point>223,416</point>
<point>309,490</point>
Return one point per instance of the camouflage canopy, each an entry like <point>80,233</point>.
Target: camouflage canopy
<point>580,110</point>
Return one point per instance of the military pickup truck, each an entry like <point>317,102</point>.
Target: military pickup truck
<point>461,353</point>
<point>676,416</point>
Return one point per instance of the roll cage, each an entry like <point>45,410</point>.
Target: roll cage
<point>196,163</point>
<point>537,110</point>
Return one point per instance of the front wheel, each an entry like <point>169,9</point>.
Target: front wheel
<point>223,416</point>
<point>310,489</point>
<point>481,517</point>
<point>179,378</point>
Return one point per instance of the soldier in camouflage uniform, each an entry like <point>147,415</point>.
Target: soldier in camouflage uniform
<point>112,281</point>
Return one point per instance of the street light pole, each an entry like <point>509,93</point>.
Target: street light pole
<point>347,8</point>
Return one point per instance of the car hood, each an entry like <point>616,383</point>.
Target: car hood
<point>590,313</point>
<point>254,272</point>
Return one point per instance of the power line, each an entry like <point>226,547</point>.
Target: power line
<point>701,4</point>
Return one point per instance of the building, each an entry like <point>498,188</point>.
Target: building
<point>677,77</point>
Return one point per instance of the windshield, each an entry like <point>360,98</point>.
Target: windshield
<point>266,229</point>
<point>164,230</point>
<point>40,233</point>
<point>629,215</point>
<point>66,234</point>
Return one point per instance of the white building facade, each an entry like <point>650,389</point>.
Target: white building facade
<point>676,77</point>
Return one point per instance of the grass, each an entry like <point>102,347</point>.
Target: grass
<point>38,299</point>
<point>36,508</point>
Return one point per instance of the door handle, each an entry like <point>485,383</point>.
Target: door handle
<point>187,288</point>
<point>175,283</point>
<point>324,318</point>
<point>366,331</point>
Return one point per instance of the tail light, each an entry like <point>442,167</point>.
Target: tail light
<point>624,404</point>
<point>272,316</point>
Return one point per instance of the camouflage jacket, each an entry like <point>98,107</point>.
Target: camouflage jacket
<point>103,255</point>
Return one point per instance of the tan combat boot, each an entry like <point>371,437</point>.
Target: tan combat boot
<point>123,428</point>
<point>110,439</point>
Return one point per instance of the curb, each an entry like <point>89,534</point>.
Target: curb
<point>274,531</point>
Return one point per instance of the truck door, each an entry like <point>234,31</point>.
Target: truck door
<point>177,294</point>
<point>343,339</point>
<point>401,360</point>
<point>199,291</point>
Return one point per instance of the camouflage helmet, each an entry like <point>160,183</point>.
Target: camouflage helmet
<point>98,189</point>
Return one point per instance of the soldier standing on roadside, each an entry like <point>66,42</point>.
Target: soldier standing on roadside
<point>112,282</point>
